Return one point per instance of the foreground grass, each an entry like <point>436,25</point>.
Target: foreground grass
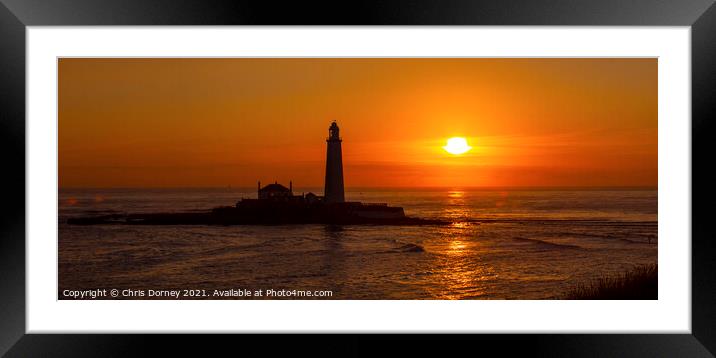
<point>641,283</point>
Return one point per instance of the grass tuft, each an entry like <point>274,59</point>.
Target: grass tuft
<point>641,283</point>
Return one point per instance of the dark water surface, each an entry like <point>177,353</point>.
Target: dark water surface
<point>501,245</point>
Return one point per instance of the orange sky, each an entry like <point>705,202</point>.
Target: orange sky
<point>221,122</point>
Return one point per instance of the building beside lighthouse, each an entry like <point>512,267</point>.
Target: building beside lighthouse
<point>334,192</point>
<point>276,191</point>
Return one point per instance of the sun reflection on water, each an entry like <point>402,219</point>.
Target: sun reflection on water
<point>456,247</point>
<point>456,209</point>
<point>462,274</point>
<point>460,270</point>
<point>456,194</point>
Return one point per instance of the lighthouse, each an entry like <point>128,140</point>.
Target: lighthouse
<point>334,167</point>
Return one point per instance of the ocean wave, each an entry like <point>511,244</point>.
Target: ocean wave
<point>547,244</point>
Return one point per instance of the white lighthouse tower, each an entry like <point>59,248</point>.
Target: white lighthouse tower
<point>334,167</point>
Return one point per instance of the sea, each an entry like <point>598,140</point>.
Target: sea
<point>500,244</point>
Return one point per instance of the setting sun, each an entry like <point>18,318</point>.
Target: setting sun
<point>457,145</point>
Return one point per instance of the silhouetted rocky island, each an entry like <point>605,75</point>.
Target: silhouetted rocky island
<point>266,213</point>
<point>277,205</point>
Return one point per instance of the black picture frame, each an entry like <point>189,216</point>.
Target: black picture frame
<point>16,15</point>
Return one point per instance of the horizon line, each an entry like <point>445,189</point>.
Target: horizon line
<point>358,188</point>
